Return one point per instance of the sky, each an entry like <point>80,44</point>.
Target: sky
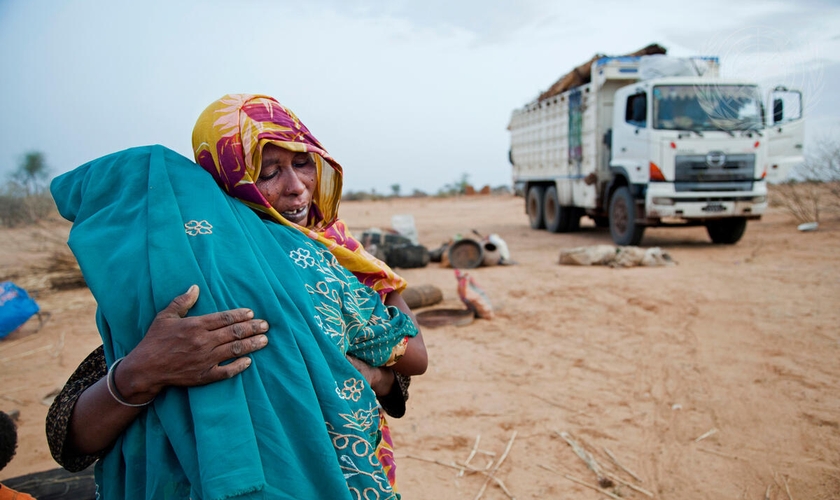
<point>409,93</point>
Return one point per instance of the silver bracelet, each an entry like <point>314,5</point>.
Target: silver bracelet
<point>112,387</point>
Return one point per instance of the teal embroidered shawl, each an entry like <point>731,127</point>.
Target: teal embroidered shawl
<point>300,423</point>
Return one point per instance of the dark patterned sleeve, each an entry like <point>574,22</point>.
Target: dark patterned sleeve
<point>394,402</point>
<point>88,373</point>
<point>94,368</point>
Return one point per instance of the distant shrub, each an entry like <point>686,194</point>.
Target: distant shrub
<point>816,184</point>
<point>503,189</point>
<point>17,210</point>
<point>24,199</point>
<point>361,196</point>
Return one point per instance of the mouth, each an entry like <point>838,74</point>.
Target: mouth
<point>297,215</point>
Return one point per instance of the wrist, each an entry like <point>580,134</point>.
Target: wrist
<point>134,383</point>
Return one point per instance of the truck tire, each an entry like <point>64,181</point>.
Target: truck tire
<point>623,226</point>
<point>726,231</point>
<point>534,207</point>
<point>556,217</point>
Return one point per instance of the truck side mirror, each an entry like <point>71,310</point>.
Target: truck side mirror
<point>778,110</point>
<point>787,105</point>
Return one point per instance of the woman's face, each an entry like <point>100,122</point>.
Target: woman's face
<point>287,181</point>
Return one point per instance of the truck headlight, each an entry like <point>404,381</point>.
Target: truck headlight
<point>759,199</point>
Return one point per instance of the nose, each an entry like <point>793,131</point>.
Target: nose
<point>294,185</point>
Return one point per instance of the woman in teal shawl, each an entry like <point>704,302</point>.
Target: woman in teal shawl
<point>301,422</point>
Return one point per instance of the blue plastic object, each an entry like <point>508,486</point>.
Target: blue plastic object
<point>16,307</point>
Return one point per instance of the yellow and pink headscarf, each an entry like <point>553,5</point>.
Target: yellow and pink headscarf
<point>228,140</point>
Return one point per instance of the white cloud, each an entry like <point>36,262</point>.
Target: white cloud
<point>409,93</point>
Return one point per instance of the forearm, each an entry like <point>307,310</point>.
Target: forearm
<point>98,420</point>
<point>415,360</point>
<point>390,383</point>
<point>395,299</point>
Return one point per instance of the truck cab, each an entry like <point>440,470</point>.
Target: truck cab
<point>689,151</point>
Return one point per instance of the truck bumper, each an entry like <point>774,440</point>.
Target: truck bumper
<point>662,201</point>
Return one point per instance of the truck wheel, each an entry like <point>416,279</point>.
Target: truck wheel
<point>534,206</point>
<point>556,217</point>
<point>623,226</point>
<point>726,231</point>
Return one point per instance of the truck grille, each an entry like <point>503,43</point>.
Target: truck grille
<point>714,172</point>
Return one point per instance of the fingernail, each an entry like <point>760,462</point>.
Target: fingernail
<point>192,288</point>
<point>249,314</point>
<point>247,362</point>
<point>264,326</point>
<point>263,340</point>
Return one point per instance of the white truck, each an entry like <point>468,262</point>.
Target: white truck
<point>654,141</point>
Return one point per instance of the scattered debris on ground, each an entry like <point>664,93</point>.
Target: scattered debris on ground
<point>615,256</point>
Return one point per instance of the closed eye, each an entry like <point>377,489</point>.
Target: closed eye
<point>272,173</point>
<point>302,161</point>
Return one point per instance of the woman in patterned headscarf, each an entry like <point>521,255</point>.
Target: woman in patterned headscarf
<point>261,154</point>
<point>229,141</point>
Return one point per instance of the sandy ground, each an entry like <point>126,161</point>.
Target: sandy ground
<point>716,378</point>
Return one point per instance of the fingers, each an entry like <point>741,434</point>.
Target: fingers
<point>242,347</point>
<point>212,346</point>
<point>222,372</point>
<point>236,349</point>
<point>223,319</point>
<point>181,304</point>
<point>241,330</point>
<point>240,338</point>
<point>236,352</point>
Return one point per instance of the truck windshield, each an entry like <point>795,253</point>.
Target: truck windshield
<point>703,107</point>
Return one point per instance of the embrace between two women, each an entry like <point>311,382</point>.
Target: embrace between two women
<point>268,389</point>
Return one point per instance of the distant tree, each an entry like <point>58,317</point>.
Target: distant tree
<point>822,163</point>
<point>463,183</point>
<point>24,198</point>
<point>457,187</point>
<point>395,190</point>
<point>32,173</point>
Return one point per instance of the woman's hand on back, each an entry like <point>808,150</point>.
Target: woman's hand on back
<point>176,351</point>
<point>188,351</point>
